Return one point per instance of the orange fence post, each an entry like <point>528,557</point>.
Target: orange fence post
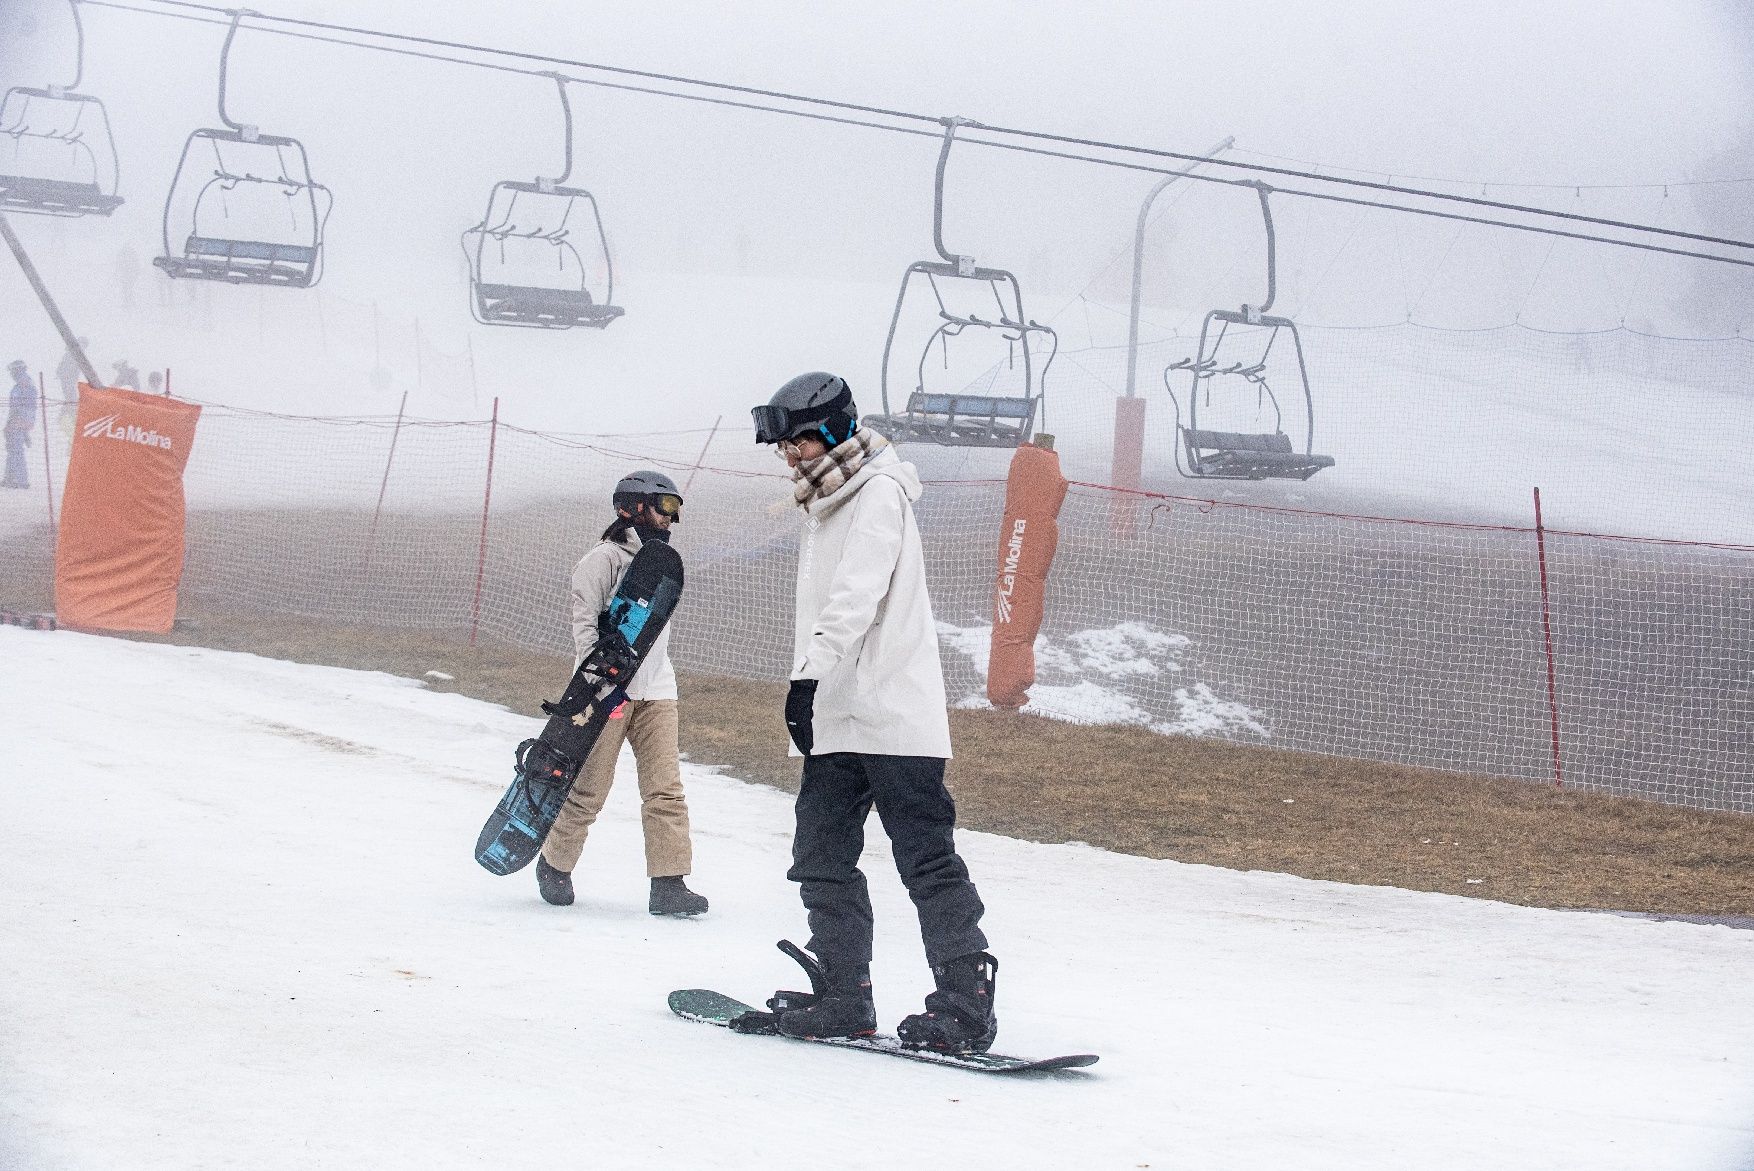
<point>1127,464</point>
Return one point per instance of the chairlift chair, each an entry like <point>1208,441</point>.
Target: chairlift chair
<point>526,266</point>
<point>1235,455</point>
<point>245,227</point>
<point>57,152</point>
<point>966,417</point>
<point>245,207</point>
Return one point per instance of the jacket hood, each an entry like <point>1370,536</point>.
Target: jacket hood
<point>884,463</point>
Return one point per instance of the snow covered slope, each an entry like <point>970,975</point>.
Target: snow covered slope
<point>240,927</point>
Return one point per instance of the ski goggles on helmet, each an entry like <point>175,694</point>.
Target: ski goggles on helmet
<point>774,423</point>
<point>667,503</point>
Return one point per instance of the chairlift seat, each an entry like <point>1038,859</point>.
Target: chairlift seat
<point>1233,455</point>
<point>962,420</point>
<point>55,196</point>
<point>247,262</point>
<point>499,304</point>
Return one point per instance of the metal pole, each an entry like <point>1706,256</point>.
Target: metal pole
<point>372,540</point>
<point>486,504</point>
<point>48,302</point>
<point>1547,632</point>
<point>703,449</point>
<point>48,475</point>
<point>1127,457</point>
<point>1139,263</point>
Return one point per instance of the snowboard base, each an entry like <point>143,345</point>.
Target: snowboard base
<point>714,1008</point>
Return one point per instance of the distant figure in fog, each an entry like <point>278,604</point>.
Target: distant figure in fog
<point>21,416</point>
<point>126,375</point>
<point>155,382</point>
<point>127,274</point>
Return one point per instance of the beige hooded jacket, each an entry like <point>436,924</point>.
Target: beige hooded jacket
<point>864,621</point>
<point>593,583</point>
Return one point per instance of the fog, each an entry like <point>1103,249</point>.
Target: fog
<point>748,246</point>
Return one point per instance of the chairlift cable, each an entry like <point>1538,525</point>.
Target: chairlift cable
<point>904,115</point>
<point>1485,183</point>
<point>999,145</point>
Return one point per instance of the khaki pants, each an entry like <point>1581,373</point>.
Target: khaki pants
<point>650,725</point>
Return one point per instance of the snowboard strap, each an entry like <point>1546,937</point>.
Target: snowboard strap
<point>755,1021</point>
<point>812,969</point>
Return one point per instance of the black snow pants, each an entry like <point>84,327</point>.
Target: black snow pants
<point>837,793</point>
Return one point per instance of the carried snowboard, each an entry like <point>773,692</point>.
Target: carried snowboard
<point>713,1008</point>
<point>548,765</point>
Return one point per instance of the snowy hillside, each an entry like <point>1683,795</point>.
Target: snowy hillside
<point>239,927</point>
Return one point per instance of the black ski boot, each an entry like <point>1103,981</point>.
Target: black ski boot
<point>555,885</point>
<point>671,896</point>
<point>959,1016</point>
<point>838,1004</point>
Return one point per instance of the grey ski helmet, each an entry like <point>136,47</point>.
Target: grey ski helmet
<point>817,403</point>
<point>651,488</point>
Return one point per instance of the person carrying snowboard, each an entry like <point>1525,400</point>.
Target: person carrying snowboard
<point>646,504</point>
<point>866,711</point>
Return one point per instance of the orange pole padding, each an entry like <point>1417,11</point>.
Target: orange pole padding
<point>1034,491</point>
<point>119,556</point>
<point>1127,466</point>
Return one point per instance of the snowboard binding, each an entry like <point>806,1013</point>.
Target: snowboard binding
<point>959,1015</point>
<point>837,1005</point>
<point>768,1023</point>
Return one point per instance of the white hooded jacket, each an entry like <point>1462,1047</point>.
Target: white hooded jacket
<point>864,622</point>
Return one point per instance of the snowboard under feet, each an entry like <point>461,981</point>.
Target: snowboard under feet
<point>713,1008</point>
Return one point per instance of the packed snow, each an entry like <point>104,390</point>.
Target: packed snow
<point>240,927</point>
<point>1083,678</point>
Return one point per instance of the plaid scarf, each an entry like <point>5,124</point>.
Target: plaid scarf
<point>817,479</point>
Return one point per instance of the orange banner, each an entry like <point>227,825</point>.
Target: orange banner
<point>1034,491</point>
<point>119,556</point>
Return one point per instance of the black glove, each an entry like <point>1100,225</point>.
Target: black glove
<point>800,713</point>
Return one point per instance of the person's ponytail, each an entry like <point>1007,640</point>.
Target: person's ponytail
<point>617,529</point>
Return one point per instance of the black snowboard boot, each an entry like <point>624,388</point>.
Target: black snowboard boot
<point>555,885</point>
<point>959,1016</point>
<point>841,1006</point>
<point>671,896</point>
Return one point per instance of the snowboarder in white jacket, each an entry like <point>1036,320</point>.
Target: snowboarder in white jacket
<point>866,711</point>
